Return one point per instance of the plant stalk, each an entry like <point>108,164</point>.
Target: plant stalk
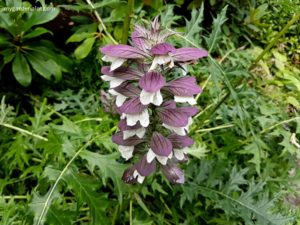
<point>126,25</point>
<point>282,32</point>
<point>101,22</point>
<point>23,131</point>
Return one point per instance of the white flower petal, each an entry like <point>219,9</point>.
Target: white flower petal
<point>120,99</point>
<point>179,154</point>
<point>146,97</point>
<point>160,60</point>
<point>126,151</point>
<point>150,155</point>
<point>115,82</point>
<point>162,159</point>
<point>140,132</point>
<point>128,134</point>
<point>178,130</point>
<point>139,177</point>
<point>157,98</point>
<point>154,64</point>
<point>191,100</point>
<point>132,119</point>
<point>115,62</point>
<point>184,68</point>
<point>123,116</point>
<point>144,118</point>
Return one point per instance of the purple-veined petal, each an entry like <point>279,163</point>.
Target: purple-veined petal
<point>169,104</point>
<point>152,82</point>
<point>160,145</point>
<point>122,51</point>
<point>144,168</point>
<point>162,49</point>
<point>122,72</point>
<point>189,110</point>
<point>184,86</point>
<point>155,24</point>
<point>173,173</point>
<point>188,54</point>
<point>133,106</point>
<point>138,40</point>
<point>128,90</point>
<point>173,117</point>
<point>179,141</point>
<point>132,141</point>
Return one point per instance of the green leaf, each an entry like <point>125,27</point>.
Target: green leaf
<point>84,49</point>
<point>193,27</point>
<point>108,166</point>
<point>4,41</point>
<point>8,55</point>
<point>215,35</point>
<point>60,216</point>
<point>21,70</point>
<point>167,17</point>
<point>45,67</point>
<point>141,203</point>
<point>37,205</point>
<point>83,32</point>
<point>198,150</point>
<point>84,188</point>
<point>39,17</point>
<point>6,22</point>
<point>44,49</point>
<point>36,32</point>
<point>78,37</point>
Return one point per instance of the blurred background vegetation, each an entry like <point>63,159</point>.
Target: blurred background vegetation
<point>57,162</point>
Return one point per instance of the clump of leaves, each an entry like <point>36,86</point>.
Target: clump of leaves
<point>21,48</point>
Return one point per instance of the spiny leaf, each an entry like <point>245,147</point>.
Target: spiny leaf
<point>109,168</point>
<point>246,206</point>
<point>193,27</point>
<point>60,216</point>
<point>37,205</point>
<point>215,35</point>
<point>84,188</point>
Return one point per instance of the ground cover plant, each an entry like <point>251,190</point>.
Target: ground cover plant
<point>58,161</point>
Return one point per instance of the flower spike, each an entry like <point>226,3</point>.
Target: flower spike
<point>154,101</point>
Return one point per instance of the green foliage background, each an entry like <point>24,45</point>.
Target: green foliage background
<point>57,162</point>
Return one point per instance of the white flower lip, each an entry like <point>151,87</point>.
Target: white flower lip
<point>181,99</point>
<point>132,119</point>
<point>151,97</point>
<point>115,62</point>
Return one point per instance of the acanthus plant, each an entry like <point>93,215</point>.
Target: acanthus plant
<point>153,96</point>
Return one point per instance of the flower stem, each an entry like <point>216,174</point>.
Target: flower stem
<point>23,131</point>
<point>101,22</point>
<point>130,6</point>
<point>282,32</point>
